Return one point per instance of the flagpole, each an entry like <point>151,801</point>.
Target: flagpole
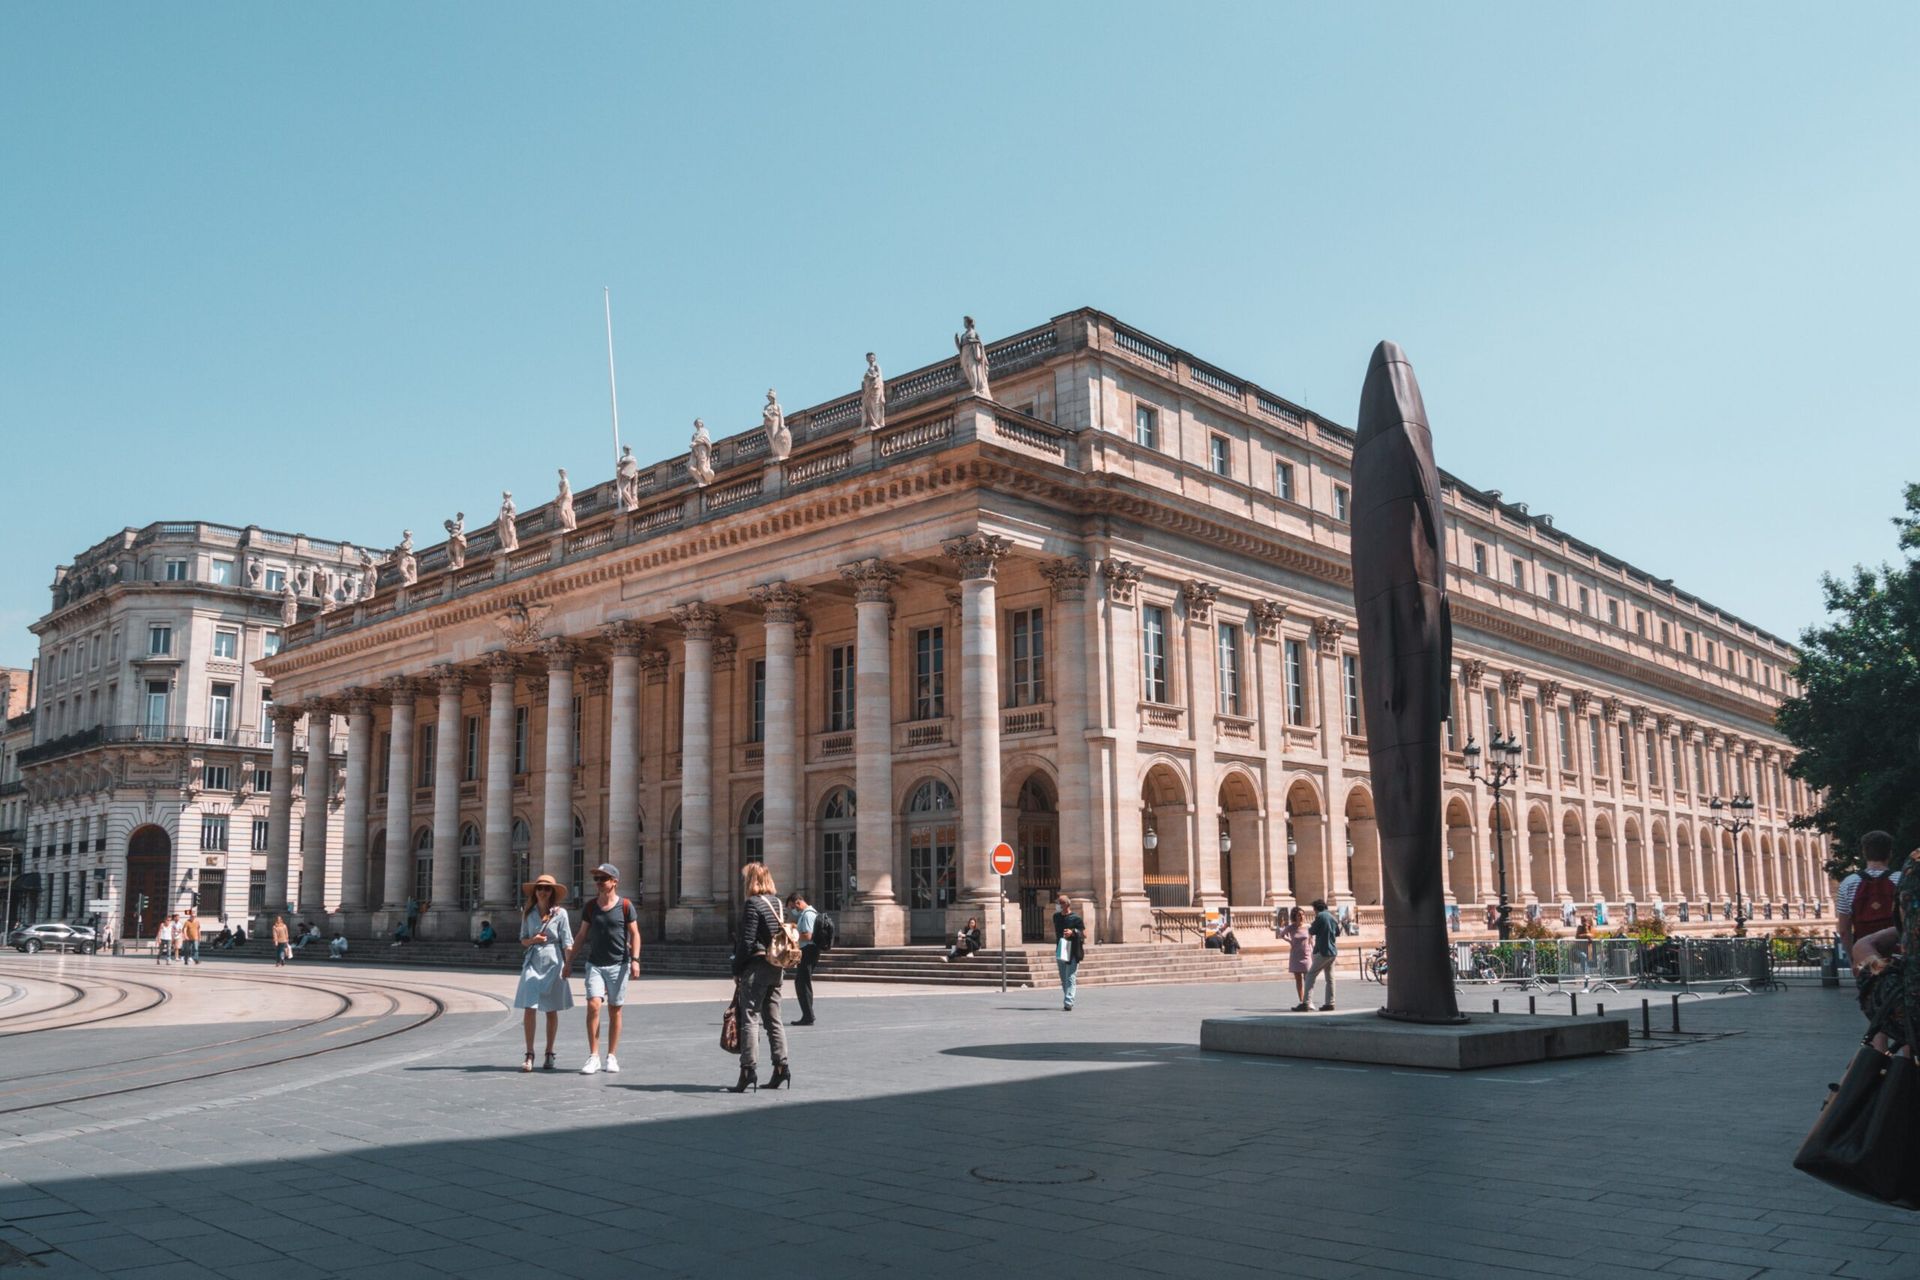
<point>613,390</point>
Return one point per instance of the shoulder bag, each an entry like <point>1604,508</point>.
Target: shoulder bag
<point>730,1024</point>
<point>1862,1143</point>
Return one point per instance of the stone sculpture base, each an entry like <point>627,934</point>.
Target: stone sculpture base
<point>1489,1040</point>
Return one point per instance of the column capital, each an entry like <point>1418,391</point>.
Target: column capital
<point>802,636</point>
<point>779,601</point>
<point>320,707</point>
<point>977,555</point>
<point>1511,682</point>
<point>360,701</point>
<point>872,580</point>
<point>1664,723</point>
<point>1549,693</point>
<point>1267,617</point>
<point>1472,672</point>
<point>592,677</point>
<point>1066,577</point>
<point>448,678</point>
<point>560,654</point>
<point>501,667</point>
<point>654,663</point>
<point>401,689</point>
<point>1610,709</point>
<point>1637,716</point>
<point>1582,699</point>
<point>699,621</point>
<point>1122,577</point>
<point>627,638</point>
<point>724,649</point>
<point>1327,631</point>
<point>1200,597</point>
<point>284,716</point>
<point>537,685</point>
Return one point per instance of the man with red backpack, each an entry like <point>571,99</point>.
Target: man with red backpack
<point>1868,900</point>
<point>610,931</point>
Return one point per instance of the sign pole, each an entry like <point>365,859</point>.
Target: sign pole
<point>1002,861</point>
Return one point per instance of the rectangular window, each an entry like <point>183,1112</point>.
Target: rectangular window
<point>263,781</point>
<point>156,704</point>
<point>1520,575</point>
<point>840,688</point>
<point>96,652</point>
<point>1613,613</point>
<point>262,837</point>
<point>1296,682</point>
<point>220,713</point>
<point>113,647</point>
<point>470,770</point>
<point>423,755</point>
<point>929,673</point>
<point>1666,636</point>
<point>226,644</point>
<point>1709,645</point>
<point>1653,759</point>
<point>1341,495</point>
<point>1686,643</point>
<point>269,643</point>
<point>520,730</point>
<point>1220,454</point>
<point>1028,685</point>
<point>1283,481</point>
<point>216,777</point>
<point>257,893</point>
<point>159,640</point>
<point>1699,767</point>
<point>386,761</point>
<point>222,575</point>
<point>1350,679</point>
<point>1228,640</point>
<point>213,831</point>
<point>1553,588</point>
<point>757,701</point>
<point>1453,693</point>
<point>1626,753</point>
<point>1586,601</point>
<point>266,717</point>
<point>176,571</point>
<point>1530,723</point>
<point>1490,704</point>
<point>1480,558</point>
<point>1719,772</point>
<point>1153,654</point>
<point>1563,721</point>
<point>1593,747</point>
<point>1640,623</point>
<point>1146,427</point>
<point>275,580</point>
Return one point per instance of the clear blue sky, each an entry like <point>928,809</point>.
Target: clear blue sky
<point>337,268</point>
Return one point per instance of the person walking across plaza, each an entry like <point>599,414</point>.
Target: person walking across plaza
<point>1299,955</point>
<point>163,941</point>
<point>1868,900</point>
<point>546,935</point>
<point>282,942</point>
<point>610,933</point>
<point>804,919</point>
<point>757,979</point>
<point>1325,932</point>
<point>1069,946</point>
<point>190,939</point>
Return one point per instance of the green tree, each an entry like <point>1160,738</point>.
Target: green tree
<point>1856,720</point>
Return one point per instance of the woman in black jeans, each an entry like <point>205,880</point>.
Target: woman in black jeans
<point>757,980</point>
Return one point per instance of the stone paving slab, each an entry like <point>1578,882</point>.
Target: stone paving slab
<point>941,1135</point>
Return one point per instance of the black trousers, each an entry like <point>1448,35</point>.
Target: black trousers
<point>803,980</point>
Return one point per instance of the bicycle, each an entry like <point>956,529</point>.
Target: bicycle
<point>1375,967</point>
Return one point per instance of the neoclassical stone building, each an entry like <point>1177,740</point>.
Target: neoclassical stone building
<point>1093,599</point>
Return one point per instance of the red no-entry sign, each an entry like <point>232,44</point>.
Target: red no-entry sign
<point>1003,859</point>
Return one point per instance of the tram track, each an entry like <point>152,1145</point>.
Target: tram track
<point>197,1066</point>
<point>122,989</point>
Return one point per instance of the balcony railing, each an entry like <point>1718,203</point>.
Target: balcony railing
<point>170,735</point>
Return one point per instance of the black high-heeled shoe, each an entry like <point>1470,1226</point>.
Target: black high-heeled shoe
<point>781,1076</point>
<point>749,1079</point>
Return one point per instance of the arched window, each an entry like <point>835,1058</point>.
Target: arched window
<point>838,879</point>
<point>423,867</point>
<point>522,848</point>
<point>469,867</point>
<point>933,834</point>
<point>753,844</point>
<point>579,864</point>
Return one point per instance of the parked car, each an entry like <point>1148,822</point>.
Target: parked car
<point>54,936</point>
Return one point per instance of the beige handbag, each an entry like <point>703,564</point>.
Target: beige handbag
<point>783,942</point>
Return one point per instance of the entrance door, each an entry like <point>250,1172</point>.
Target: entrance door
<point>1038,873</point>
<point>149,860</point>
<point>933,834</point>
<point>213,895</point>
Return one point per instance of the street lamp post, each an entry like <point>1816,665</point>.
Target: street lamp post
<point>1741,809</point>
<point>1503,766</point>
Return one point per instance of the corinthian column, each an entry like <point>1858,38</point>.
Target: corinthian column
<point>556,822</point>
<point>977,556</point>
<point>401,692</point>
<point>1072,645</point>
<point>313,831</point>
<point>280,810</point>
<point>876,917</point>
<point>445,887</point>
<point>623,753</point>
<point>694,916</point>
<point>353,840</point>
<point>496,857</point>
<point>780,782</point>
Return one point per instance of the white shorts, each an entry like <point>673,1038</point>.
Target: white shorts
<point>608,982</point>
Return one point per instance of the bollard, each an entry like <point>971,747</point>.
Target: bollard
<point>1830,966</point>
<point>1496,1006</point>
<point>1599,1010</point>
<point>1646,1021</point>
<point>1530,1008</point>
<point>1573,1004</point>
<point>1676,1015</point>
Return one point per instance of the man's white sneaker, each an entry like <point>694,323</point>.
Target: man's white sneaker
<point>593,1065</point>
<point>612,1064</point>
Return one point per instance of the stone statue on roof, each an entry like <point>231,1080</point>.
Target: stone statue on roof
<point>700,456</point>
<point>626,480</point>
<point>503,524</point>
<point>873,396</point>
<point>408,567</point>
<point>973,359</point>
<point>456,540</point>
<point>563,505</point>
<point>773,421</point>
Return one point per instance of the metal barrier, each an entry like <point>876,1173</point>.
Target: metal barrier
<point>1614,964</point>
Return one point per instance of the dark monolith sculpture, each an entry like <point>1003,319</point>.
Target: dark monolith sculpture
<point>1406,651</point>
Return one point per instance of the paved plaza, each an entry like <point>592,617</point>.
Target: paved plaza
<point>248,1122</point>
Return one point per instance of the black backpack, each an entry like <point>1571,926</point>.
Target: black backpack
<point>823,932</point>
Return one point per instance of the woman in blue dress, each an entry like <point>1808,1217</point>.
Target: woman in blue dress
<point>547,936</point>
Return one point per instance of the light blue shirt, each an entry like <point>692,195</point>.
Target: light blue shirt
<point>804,922</point>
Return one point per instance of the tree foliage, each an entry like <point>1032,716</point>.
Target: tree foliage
<point>1856,720</point>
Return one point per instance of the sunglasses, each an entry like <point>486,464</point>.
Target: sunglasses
<point>603,879</point>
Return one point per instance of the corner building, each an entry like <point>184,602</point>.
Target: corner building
<point>1103,612</point>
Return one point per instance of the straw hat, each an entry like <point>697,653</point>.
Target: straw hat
<point>559,890</point>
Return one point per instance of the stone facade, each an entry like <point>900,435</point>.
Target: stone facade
<point>1105,615</point>
<point>153,735</point>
